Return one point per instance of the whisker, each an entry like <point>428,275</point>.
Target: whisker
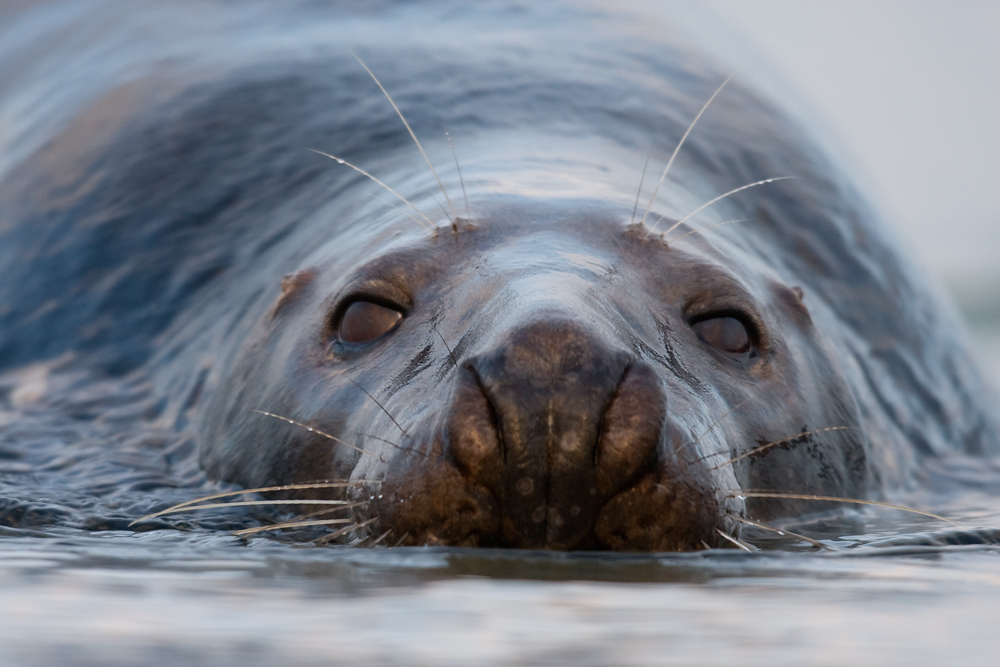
<point>711,426</point>
<point>291,524</point>
<point>642,179</point>
<point>430,225</point>
<point>451,353</point>
<point>326,539</point>
<point>710,202</point>
<point>341,504</point>
<point>389,203</point>
<point>783,532</point>
<point>738,543</point>
<point>410,130</point>
<point>443,210</point>
<point>326,510</point>
<point>468,215</point>
<point>680,143</point>
<point>768,445</point>
<point>380,538</point>
<point>313,429</point>
<point>386,441</point>
<point>382,407</point>
<point>261,489</point>
<point>835,499</point>
<point>400,541</point>
<point>701,229</point>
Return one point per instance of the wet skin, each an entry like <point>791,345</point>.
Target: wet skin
<point>551,377</point>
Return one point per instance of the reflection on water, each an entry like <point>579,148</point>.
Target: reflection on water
<point>119,598</point>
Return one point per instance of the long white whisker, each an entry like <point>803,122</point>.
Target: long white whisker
<point>782,532</point>
<point>381,407</point>
<point>836,499</point>
<point>706,227</point>
<point>710,202</point>
<point>313,429</point>
<point>340,504</point>
<point>642,179</point>
<point>366,174</point>
<point>767,445</point>
<point>263,489</point>
<point>461,179</point>
<point>410,130</point>
<point>740,544</point>
<point>711,426</point>
<point>680,143</point>
<point>326,539</point>
<point>389,203</point>
<point>291,524</point>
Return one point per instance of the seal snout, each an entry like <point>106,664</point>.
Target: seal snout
<point>554,420</point>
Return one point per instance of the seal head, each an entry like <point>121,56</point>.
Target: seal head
<point>545,375</point>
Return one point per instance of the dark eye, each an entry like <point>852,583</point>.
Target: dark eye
<point>364,321</point>
<point>724,333</point>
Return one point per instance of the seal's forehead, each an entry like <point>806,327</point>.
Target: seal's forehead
<point>549,165</point>
<point>523,236</point>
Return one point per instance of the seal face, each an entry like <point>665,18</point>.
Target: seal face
<point>547,360</point>
<point>601,387</point>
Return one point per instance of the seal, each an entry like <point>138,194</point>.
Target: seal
<point>520,353</point>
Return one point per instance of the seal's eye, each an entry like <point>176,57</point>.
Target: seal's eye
<point>364,321</point>
<point>724,333</point>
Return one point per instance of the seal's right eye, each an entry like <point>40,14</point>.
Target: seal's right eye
<point>364,321</point>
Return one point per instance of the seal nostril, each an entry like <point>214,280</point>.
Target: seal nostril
<point>472,431</point>
<point>631,430</point>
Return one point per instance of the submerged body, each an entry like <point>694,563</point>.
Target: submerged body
<point>523,357</point>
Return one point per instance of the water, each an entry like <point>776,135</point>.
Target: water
<point>78,585</point>
<point>120,598</point>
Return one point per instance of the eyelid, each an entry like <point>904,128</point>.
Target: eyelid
<point>377,290</point>
<point>713,314</point>
<point>713,299</point>
<point>343,304</point>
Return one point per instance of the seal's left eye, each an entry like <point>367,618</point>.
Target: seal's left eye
<point>364,321</point>
<point>724,333</point>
